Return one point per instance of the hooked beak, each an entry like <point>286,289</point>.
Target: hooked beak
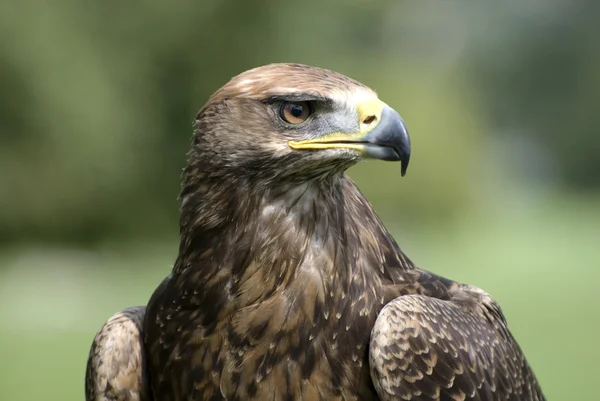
<point>382,135</point>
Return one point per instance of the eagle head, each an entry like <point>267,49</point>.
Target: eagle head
<point>290,121</point>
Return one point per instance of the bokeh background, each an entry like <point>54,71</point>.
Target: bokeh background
<point>97,99</point>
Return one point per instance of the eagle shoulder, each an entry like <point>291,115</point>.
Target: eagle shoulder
<point>425,348</point>
<point>116,367</point>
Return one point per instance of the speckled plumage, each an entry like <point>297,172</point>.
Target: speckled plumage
<point>287,285</point>
<point>116,363</point>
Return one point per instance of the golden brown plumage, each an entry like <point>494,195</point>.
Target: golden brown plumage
<point>116,363</point>
<point>284,269</point>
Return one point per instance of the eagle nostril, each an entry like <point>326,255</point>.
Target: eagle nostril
<point>369,120</point>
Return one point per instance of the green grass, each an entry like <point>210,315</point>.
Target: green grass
<point>541,265</point>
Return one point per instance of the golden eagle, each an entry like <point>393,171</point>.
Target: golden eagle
<point>287,286</point>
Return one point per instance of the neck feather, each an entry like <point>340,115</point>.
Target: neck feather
<point>251,242</point>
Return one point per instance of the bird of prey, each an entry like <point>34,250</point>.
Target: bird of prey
<point>287,285</point>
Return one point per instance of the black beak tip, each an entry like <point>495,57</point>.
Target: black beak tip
<point>404,147</point>
<point>404,164</point>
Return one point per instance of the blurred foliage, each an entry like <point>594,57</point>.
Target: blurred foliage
<point>98,98</point>
<point>539,66</point>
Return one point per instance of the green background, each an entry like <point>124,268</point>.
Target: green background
<point>501,99</point>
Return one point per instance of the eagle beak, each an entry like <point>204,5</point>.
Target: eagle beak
<point>382,135</point>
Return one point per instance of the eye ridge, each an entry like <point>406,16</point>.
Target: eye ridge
<point>295,112</point>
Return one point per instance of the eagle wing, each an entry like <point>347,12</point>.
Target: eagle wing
<point>116,367</point>
<point>424,348</point>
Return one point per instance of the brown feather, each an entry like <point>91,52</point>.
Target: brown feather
<point>284,267</point>
<point>116,363</point>
<point>424,348</point>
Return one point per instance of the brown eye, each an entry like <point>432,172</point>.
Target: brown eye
<point>294,113</point>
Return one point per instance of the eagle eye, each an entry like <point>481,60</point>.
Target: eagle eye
<point>294,112</point>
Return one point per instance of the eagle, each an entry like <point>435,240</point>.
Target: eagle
<point>287,285</point>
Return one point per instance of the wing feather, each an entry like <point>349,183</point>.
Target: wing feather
<point>424,348</point>
<point>116,364</point>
